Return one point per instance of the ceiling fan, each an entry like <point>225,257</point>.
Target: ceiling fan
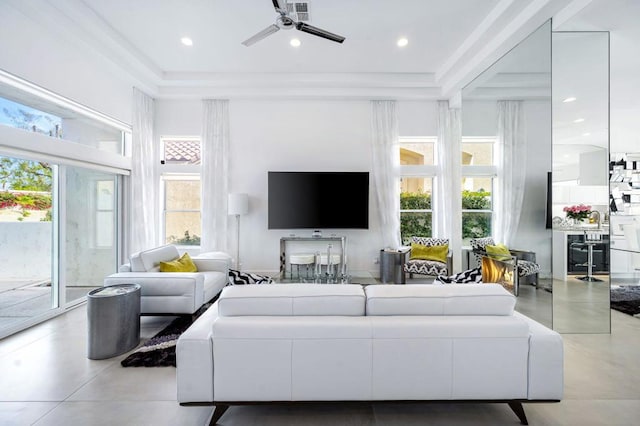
<point>285,22</point>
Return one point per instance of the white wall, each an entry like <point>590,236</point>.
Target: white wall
<point>323,135</point>
<point>25,250</point>
<point>295,135</point>
<point>55,61</point>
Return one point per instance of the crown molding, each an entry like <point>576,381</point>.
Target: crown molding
<point>78,24</point>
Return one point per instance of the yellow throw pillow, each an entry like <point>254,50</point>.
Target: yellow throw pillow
<point>437,253</point>
<point>498,252</point>
<point>181,264</point>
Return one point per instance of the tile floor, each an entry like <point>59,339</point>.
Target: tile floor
<point>46,379</point>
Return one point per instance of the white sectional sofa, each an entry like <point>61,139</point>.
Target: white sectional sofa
<point>314,342</point>
<point>173,292</point>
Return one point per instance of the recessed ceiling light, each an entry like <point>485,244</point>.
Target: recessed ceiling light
<point>586,134</point>
<point>570,99</point>
<point>186,41</point>
<point>402,42</point>
<point>295,42</point>
<point>578,120</point>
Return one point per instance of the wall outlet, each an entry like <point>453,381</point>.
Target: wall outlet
<point>376,260</point>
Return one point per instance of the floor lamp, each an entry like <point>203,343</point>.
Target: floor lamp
<point>238,204</point>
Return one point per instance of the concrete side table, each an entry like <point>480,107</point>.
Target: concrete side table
<point>113,315</point>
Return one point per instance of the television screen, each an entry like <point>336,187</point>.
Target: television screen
<point>318,200</point>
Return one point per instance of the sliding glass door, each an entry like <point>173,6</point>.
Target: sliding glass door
<point>89,223</point>
<point>27,283</point>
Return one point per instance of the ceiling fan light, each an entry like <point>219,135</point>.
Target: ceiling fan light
<point>402,42</point>
<point>295,42</point>
<point>186,41</point>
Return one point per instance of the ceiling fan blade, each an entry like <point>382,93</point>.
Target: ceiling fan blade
<point>280,6</point>
<point>319,32</point>
<point>262,34</point>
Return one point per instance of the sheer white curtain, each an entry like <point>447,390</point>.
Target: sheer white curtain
<point>214,176</point>
<point>144,176</point>
<point>447,201</point>
<point>386,163</point>
<point>511,170</point>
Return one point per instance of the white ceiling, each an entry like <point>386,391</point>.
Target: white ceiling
<point>154,28</point>
<point>450,42</point>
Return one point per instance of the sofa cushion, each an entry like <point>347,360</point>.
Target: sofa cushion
<point>242,278</point>
<point>465,277</point>
<point>416,299</point>
<point>181,264</point>
<point>136,263</point>
<point>214,281</point>
<point>152,258</point>
<point>292,299</point>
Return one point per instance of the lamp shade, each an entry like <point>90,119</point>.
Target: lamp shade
<point>238,204</point>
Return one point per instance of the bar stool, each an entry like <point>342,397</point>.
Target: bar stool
<point>590,240</point>
<point>298,259</point>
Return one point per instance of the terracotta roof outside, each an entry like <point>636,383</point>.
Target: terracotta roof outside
<point>181,151</point>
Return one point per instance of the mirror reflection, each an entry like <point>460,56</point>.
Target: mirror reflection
<point>580,208</point>
<point>508,109</point>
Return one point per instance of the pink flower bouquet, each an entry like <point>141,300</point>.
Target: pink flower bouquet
<point>578,212</point>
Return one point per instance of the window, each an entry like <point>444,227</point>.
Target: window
<point>180,165</point>
<point>478,174</point>
<point>104,193</point>
<point>417,160</point>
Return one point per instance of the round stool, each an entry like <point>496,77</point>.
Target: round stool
<point>301,259</point>
<point>336,260</point>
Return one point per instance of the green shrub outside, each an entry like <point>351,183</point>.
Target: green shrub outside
<point>187,240</point>
<point>474,225</point>
<point>26,201</point>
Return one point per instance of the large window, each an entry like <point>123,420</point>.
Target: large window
<point>59,201</point>
<point>181,220</point>
<point>417,160</point>
<point>478,174</point>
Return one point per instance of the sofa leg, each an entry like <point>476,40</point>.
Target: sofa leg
<point>517,408</point>
<point>218,411</point>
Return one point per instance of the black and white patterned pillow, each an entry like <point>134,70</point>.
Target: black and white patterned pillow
<point>242,278</point>
<point>471,276</point>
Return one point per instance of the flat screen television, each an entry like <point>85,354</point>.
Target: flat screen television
<point>318,200</point>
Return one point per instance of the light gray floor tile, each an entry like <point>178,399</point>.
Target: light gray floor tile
<point>296,415</point>
<point>48,363</point>
<point>130,413</point>
<point>129,384</point>
<point>391,414</point>
<point>23,413</point>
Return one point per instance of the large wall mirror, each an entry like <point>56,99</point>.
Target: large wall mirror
<point>580,210</point>
<point>508,107</point>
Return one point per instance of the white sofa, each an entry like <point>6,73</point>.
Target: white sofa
<point>311,342</point>
<point>173,292</point>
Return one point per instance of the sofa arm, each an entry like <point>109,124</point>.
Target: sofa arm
<point>213,261</point>
<point>194,359</point>
<point>546,362</point>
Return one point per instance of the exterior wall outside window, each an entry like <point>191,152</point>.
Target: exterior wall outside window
<point>181,190</point>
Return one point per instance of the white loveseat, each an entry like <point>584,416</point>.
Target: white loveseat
<point>313,342</point>
<point>173,292</point>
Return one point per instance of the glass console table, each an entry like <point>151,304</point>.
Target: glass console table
<point>342,241</point>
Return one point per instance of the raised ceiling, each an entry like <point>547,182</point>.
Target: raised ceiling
<point>450,42</point>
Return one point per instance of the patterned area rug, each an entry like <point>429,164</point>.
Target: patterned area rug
<point>626,299</point>
<point>160,350</point>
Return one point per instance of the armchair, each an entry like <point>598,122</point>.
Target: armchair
<point>523,263</point>
<point>429,267</point>
<point>166,293</point>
